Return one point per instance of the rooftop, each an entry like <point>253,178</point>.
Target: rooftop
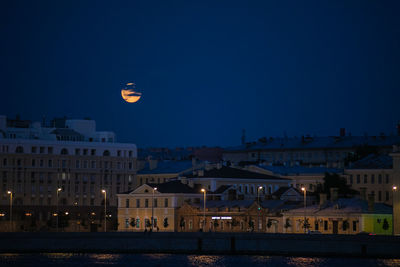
<point>228,172</point>
<point>300,170</point>
<point>167,167</point>
<point>317,142</point>
<point>345,205</point>
<point>175,187</point>
<point>373,162</point>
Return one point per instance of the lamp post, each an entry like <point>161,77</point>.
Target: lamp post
<point>105,209</point>
<point>394,190</point>
<point>152,210</point>
<point>11,196</point>
<point>305,201</point>
<point>58,191</point>
<point>258,207</point>
<point>204,209</point>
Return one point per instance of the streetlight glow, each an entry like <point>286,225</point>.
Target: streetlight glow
<point>58,191</point>
<point>105,209</point>
<point>204,209</point>
<point>305,204</point>
<point>11,196</point>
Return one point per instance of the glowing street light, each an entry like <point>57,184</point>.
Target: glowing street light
<point>305,201</point>
<point>58,191</point>
<point>11,195</point>
<point>394,191</point>
<point>105,209</point>
<point>152,210</point>
<point>258,204</point>
<point>204,209</point>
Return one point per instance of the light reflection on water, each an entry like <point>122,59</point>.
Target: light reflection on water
<point>182,260</point>
<point>304,262</point>
<point>204,260</point>
<point>390,262</point>
<point>104,258</point>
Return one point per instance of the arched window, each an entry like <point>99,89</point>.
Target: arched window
<point>106,153</point>
<point>19,149</point>
<point>64,151</point>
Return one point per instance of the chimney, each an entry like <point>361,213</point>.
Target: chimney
<point>371,200</point>
<point>342,132</point>
<point>363,193</point>
<point>334,193</point>
<point>322,199</point>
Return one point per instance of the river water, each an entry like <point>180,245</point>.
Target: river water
<point>181,260</point>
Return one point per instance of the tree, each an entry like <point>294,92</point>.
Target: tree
<point>385,225</point>
<point>333,180</point>
<point>165,223</point>
<point>306,224</point>
<point>361,152</point>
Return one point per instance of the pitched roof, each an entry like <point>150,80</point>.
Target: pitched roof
<point>228,172</point>
<point>374,162</point>
<point>345,205</point>
<point>299,170</point>
<point>168,167</point>
<point>175,187</point>
<point>317,142</point>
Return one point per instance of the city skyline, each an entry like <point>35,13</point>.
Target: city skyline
<point>206,70</point>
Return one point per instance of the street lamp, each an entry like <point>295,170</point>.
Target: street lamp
<point>58,191</point>
<point>105,209</point>
<point>152,210</point>
<point>204,209</point>
<point>11,195</point>
<point>394,190</point>
<point>305,196</point>
<point>258,204</point>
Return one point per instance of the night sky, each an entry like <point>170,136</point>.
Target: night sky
<point>207,69</point>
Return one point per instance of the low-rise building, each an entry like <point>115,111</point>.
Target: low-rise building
<point>154,204</point>
<point>341,216</point>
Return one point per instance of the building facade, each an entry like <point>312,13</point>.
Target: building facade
<point>50,178</point>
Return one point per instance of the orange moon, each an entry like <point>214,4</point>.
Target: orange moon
<point>129,95</point>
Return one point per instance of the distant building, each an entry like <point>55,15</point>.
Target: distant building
<point>372,175</point>
<point>301,176</point>
<point>246,184</point>
<point>327,151</point>
<point>155,171</point>
<point>36,161</point>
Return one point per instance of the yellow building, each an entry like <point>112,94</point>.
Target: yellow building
<point>158,201</point>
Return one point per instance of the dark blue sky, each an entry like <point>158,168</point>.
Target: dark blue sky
<point>207,69</point>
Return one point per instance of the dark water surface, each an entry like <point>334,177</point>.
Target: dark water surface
<point>74,259</point>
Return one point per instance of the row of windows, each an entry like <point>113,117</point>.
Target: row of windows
<point>65,151</point>
<point>78,164</point>
<point>140,204</point>
<point>107,178</point>
<point>372,179</point>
